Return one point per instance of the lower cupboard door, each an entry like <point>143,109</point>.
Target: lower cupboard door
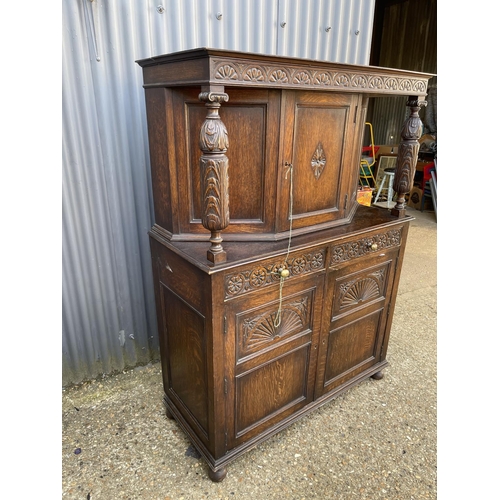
<point>358,297</point>
<point>352,348</point>
<point>271,392</point>
<point>273,367</point>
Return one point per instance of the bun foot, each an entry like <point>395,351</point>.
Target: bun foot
<point>378,375</point>
<point>218,475</point>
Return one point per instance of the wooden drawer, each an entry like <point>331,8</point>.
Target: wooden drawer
<point>366,245</point>
<point>264,274</point>
<point>180,276</point>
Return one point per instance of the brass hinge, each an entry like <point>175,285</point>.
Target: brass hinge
<point>225,385</point>
<point>225,325</point>
<point>345,202</point>
<point>355,114</point>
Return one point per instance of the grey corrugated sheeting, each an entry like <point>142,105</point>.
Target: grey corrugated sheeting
<point>108,302</point>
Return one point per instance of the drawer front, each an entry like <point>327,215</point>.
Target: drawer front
<point>180,276</point>
<point>265,273</point>
<point>365,246</point>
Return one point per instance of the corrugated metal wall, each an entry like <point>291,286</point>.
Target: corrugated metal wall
<point>108,302</point>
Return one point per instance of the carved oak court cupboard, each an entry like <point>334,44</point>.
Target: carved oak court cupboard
<point>274,288</point>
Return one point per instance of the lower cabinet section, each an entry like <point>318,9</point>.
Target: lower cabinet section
<point>244,355</point>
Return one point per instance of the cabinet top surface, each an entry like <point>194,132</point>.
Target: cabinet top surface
<point>215,67</point>
<point>367,220</point>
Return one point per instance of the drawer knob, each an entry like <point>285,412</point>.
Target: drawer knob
<point>374,246</point>
<point>284,273</point>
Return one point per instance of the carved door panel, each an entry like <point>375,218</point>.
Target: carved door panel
<point>320,139</point>
<point>355,316</point>
<point>271,366</point>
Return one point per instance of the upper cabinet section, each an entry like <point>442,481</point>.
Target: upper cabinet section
<point>248,147</point>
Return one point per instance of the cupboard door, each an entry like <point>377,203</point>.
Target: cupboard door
<point>271,368</point>
<point>357,304</point>
<point>251,119</point>
<point>319,139</point>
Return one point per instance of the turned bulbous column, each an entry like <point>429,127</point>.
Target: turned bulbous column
<point>214,174</point>
<point>407,154</point>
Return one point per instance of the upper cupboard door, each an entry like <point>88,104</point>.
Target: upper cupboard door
<point>251,120</point>
<point>319,141</point>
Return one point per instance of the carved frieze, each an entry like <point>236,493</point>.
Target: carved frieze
<point>230,71</point>
<point>264,275</point>
<point>363,246</point>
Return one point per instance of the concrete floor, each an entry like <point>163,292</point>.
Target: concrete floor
<point>377,441</point>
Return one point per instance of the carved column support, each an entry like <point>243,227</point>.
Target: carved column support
<point>214,174</point>
<point>407,154</point>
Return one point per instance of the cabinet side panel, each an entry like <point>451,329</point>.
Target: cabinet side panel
<point>158,147</point>
<point>186,356</point>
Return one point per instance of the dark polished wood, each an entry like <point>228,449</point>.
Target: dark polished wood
<point>218,475</point>
<point>407,154</point>
<point>214,174</point>
<point>274,289</point>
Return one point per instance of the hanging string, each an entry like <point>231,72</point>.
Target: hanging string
<point>284,272</point>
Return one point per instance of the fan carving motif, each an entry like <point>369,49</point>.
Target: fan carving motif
<point>362,290</point>
<point>260,329</point>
